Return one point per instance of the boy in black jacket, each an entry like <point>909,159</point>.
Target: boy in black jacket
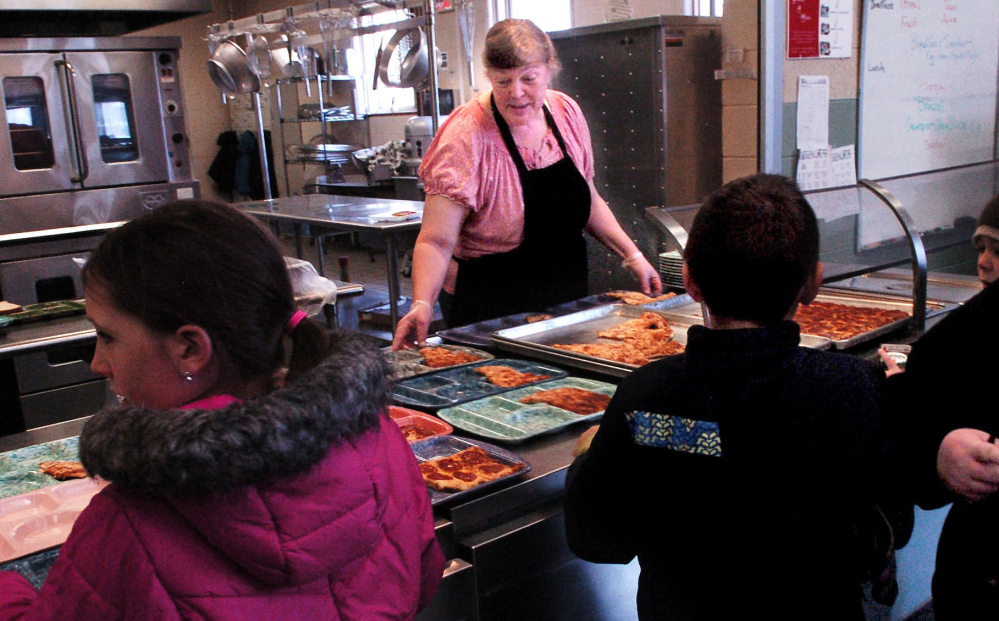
<point>739,471</point>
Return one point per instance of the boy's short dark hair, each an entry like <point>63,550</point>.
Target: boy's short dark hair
<point>753,246</point>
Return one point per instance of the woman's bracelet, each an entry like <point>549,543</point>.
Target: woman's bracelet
<point>421,303</point>
<point>632,259</point>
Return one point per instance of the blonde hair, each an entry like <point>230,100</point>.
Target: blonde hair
<point>515,43</point>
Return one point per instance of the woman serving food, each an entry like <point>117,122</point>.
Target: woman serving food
<point>509,183</point>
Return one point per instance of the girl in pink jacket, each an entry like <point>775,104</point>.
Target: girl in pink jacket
<point>254,471</point>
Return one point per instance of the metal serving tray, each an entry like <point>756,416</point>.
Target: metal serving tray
<point>868,300</point>
<point>410,363</point>
<point>480,334</point>
<point>458,385</point>
<point>443,446</point>
<point>537,339</point>
<point>602,299</point>
<point>503,418</point>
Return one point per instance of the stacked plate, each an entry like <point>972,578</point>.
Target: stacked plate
<point>671,269</point>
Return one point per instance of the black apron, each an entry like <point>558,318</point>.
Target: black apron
<point>549,265</point>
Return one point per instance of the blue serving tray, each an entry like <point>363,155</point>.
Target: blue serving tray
<point>504,419</point>
<point>458,385</point>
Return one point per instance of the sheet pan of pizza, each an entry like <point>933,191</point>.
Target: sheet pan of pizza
<point>412,362</point>
<point>515,416</point>
<point>573,340</point>
<point>454,468</point>
<point>449,387</point>
<point>843,319</point>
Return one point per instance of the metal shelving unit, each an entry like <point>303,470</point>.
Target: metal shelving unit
<point>326,25</point>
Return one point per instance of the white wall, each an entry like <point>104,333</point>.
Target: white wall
<point>589,12</point>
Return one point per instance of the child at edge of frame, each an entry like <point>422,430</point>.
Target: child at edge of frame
<point>747,474</point>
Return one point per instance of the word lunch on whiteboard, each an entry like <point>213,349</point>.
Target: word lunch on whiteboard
<point>927,85</point>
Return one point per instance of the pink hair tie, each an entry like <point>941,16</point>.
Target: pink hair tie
<point>293,321</point>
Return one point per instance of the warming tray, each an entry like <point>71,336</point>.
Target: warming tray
<point>410,363</point>
<point>503,418</point>
<point>458,385</point>
<point>442,446</point>
<point>481,334</point>
<point>868,300</point>
<point>536,340</point>
<point>602,299</point>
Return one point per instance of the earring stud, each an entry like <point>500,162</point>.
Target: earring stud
<point>187,376</point>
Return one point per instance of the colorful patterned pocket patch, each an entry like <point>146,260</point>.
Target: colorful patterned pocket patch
<point>684,435</point>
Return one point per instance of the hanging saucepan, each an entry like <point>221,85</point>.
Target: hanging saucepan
<point>405,61</point>
<point>230,72</point>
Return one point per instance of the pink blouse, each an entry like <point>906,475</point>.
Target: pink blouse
<point>468,163</point>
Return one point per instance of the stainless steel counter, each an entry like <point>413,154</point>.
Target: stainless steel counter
<point>319,215</point>
<point>507,545</point>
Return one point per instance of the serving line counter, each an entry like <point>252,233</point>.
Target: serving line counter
<point>321,215</point>
<point>498,541</point>
<point>506,544</point>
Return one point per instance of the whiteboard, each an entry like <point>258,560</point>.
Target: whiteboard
<point>927,85</point>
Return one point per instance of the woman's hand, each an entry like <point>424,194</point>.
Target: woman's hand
<point>413,326</point>
<point>442,221</point>
<point>648,277</point>
<point>603,226</point>
<point>968,463</point>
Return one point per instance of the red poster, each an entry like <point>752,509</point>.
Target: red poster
<point>802,28</point>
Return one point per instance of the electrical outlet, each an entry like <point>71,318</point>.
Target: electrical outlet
<point>444,61</point>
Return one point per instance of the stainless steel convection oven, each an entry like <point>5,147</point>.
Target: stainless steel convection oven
<point>92,130</point>
<point>92,133</point>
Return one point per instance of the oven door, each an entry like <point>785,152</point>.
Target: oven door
<point>80,120</point>
<point>120,120</point>
<point>34,157</point>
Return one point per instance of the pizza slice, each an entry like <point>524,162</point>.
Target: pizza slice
<point>577,400</point>
<point>63,470</point>
<point>438,357</point>
<point>465,469</point>
<point>414,432</point>
<point>638,327</point>
<point>637,298</point>
<point>508,377</point>
<point>617,352</point>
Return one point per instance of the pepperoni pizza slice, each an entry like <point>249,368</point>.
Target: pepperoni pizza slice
<point>465,469</point>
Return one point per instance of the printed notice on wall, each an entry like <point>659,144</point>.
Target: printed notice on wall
<point>819,28</point>
<point>927,85</point>
<point>826,168</point>
<point>813,112</point>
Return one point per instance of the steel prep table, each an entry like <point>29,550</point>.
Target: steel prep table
<point>319,215</point>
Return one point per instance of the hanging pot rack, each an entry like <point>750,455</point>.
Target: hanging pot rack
<point>299,19</point>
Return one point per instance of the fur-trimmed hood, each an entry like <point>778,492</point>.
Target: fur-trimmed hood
<point>274,436</point>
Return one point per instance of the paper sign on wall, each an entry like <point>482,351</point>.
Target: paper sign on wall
<point>819,28</point>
